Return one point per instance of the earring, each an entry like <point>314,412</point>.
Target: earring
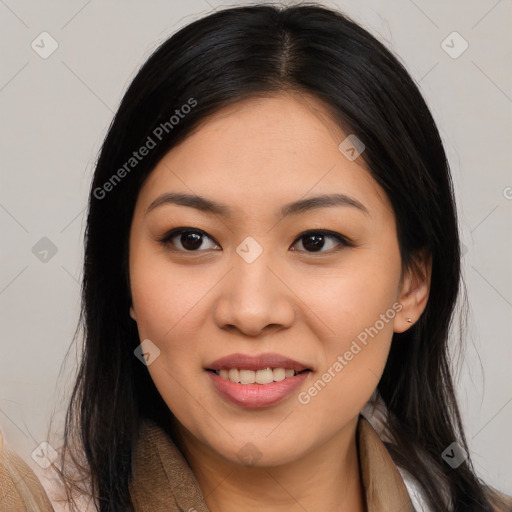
<point>409,320</point>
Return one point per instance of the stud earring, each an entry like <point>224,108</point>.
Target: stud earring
<point>409,320</point>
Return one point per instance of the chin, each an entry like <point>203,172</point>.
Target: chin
<point>258,453</point>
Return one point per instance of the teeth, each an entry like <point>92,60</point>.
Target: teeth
<point>265,376</point>
<point>280,374</point>
<point>234,375</point>
<point>247,377</point>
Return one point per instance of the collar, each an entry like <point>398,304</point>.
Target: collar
<point>164,482</point>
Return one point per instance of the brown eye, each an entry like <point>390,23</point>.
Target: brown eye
<point>194,240</point>
<point>187,240</point>
<point>316,241</point>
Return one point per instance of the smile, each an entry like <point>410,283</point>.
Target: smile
<point>252,394</point>
<point>262,377</point>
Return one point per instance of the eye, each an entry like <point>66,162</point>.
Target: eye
<point>190,239</point>
<point>315,241</point>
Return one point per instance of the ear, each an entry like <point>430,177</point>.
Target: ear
<point>414,291</point>
<point>132,313</point>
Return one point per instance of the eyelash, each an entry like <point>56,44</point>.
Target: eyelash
<point>343,241</point>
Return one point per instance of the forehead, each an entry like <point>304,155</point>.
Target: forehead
<point>263,151</point>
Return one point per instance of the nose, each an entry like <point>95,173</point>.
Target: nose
<point>254,298</point>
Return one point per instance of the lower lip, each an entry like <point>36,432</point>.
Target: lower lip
<point>256,395</point>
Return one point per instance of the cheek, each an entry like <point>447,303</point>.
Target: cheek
<point>166,308</point>
<point>350,299</point>
<point>164,296</point>
<point>353,355</point>
<point>357,306</point>
<point>167,302</point>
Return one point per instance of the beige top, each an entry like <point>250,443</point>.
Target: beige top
<point>20,489</point>
<point>159,460</point>
<point>163,481</point>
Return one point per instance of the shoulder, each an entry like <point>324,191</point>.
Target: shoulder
<point>21,489</point>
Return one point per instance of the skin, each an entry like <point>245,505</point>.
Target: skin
<point>200,305</point>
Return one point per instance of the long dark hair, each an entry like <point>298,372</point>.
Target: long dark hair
<point>225,57</point>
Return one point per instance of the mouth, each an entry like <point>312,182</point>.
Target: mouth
<point>262,377</point>
<point>244,391</point>
<point>257,381</point>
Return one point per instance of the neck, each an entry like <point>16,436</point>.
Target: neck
<point>327,479</point>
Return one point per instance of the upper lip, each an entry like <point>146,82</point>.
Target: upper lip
<point>257,362</point>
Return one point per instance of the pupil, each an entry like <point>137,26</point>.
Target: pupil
<point>191,240</point>
<point>318,241</point>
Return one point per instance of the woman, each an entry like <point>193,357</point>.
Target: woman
<point>272,263</point>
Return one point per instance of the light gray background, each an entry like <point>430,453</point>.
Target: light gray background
<point>55,113</point>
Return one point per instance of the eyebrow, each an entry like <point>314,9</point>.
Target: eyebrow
<point>297,207</point>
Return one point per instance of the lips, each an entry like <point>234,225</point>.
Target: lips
<point>287,376</point>
<point>254,363</point>
<point>256,395</point>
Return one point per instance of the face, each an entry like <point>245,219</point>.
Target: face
<point>317,287</point>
